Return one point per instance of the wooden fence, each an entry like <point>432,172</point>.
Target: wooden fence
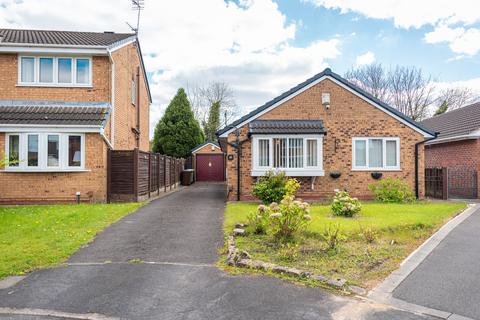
<point>135,175</point>
<point>436,183</point>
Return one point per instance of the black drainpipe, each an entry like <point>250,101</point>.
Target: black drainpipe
<point>238,145</point>
<point>416,162</point>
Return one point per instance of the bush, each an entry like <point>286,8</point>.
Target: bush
<point>368,233</point>
<point>332,236</point>
<point>392,190</point>
<point>344,205</point>
<point>258,221</point>
<point>271,187</point>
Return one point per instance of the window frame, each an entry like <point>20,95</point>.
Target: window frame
<point>384,167</point>
<point>305,171</point>
<point>55,83</point>
<point>43,152</point>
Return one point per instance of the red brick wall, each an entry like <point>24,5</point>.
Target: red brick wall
<point>348,116</point>
<point>453,154</point>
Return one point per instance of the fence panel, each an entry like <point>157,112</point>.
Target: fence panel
<point>436,183</point>
<point>462,182</point>
<point>134,175</point>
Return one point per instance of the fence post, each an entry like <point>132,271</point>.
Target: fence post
<point>135,174</point>
<point>109,175</point>
<point>445,183</point>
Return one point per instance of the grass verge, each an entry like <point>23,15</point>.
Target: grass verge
<point>33,237</point>
<point>399,229</point>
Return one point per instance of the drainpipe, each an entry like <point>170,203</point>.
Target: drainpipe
<point>238,145</point>
<point>112,100</point>
<point>138,107</point>
<point>417,145</point>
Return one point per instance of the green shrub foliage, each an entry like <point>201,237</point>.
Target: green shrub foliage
<point>271,187</point>
<point>392,190</point>
<point>344,205</point>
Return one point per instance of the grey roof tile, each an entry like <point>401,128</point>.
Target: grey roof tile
<point>458,122</point>
<point>286,126</point>
<point>53,37</point>
<point>53,113</point>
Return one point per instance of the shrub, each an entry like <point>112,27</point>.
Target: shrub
<point>258,220</point>
<point>392,190</point>
<point>344,205</point>
<point>332,236</point>
<point>288,217</point>
<point>368,233</point>
<point>271,187</point>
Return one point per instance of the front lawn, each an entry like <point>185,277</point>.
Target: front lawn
<point>33,237</point>
<point>401,228</point>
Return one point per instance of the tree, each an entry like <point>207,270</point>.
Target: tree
<point>372,78</point>
<point>213,123</point>
<point>441,108</point>
<point>454,98</point>
<point>177,132</point>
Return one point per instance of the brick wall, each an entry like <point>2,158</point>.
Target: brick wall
<point>348,116</point>
<point>38,187</point>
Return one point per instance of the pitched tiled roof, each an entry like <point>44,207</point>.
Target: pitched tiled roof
<point>459,122</point>
<point>53,113</point>
<point>69,38</point>
<point>286,126</point>
<point>326,72</point>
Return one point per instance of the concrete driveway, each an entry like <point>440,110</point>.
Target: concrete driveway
<point>449,278</point>
<point>159,263</point>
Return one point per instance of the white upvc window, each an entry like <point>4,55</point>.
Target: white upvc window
<point>55,71</point>
<point>376,153</point>
<point>296,155</point>
<point>45,151</point>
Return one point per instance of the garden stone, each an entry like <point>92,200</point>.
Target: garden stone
<point>337,282</point>
<point>245,255</point>
<point>320,278</point>
<point>238,232</point>
<point>357,290</point>
<point>240,225</point>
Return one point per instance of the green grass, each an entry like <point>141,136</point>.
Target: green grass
<point>33,237</point>
<point>401,228</point>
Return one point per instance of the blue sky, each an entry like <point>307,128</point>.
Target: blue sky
<point>262,48</point>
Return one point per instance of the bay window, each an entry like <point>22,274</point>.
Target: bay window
<point>376,154</point>
<point>296,155</point>
<point>55,71</point>
<point>45,151</point>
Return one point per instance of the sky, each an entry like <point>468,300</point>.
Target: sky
<point>262,48</point>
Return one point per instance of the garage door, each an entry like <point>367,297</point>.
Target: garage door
<point>209,167</point>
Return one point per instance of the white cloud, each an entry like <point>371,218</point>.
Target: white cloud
<point>406,14</point>
<point>245,44</point>
<point>366,58</point>
<point>461,41</point>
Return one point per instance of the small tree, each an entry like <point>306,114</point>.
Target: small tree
<point>441,108</point>
<point>177,132</point>
<point>213,123</point>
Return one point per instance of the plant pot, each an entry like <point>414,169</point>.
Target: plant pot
<point>376,175</point>
<point>335,174</point>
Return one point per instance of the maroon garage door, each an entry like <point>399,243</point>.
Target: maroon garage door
<point>210,167</point>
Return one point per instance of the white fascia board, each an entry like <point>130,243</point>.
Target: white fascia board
<point>49,128</point>
<point>425,134</point>
<point>452,139</point>
<point>54,50</point>
<point>204,145</point>
<point>122,44</point>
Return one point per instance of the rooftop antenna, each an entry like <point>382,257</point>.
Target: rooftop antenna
<point>137,5</point>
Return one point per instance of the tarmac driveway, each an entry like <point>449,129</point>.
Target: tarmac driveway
<point>159,263</point>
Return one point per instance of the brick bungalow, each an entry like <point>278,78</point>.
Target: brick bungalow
<point>65,99</point>
<point>456,148</point>
<point>329,134</point>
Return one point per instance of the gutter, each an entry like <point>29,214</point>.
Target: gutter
<point>417,145</point>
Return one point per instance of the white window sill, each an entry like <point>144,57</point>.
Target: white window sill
<point>55,85</point>
<point>43,170</point>
<point>291,172</point>
<point>376,169</point>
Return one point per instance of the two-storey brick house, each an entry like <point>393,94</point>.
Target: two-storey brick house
<point>65,99</point>
<point>329,134</point>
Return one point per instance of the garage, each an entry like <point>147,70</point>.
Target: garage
<point>209,162</point>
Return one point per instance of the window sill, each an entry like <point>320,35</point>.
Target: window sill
<point>291,172</point>
<point>43,170</point>
<point>376,169</point>
<point>55,85</point>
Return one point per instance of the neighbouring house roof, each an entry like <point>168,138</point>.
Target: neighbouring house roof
<point>14,112</point>
<point>206,143</point>
<point>70,38</point>
<point>286,126</point>
<point>327,73</point>
<point>459,123</point>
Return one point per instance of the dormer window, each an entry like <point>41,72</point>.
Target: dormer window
<point>55,71</point>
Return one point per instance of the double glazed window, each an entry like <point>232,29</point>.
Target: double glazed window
<point>55,71</point>
<point>289,153</point>
<point>45,151</point>
<point>376,153</point>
